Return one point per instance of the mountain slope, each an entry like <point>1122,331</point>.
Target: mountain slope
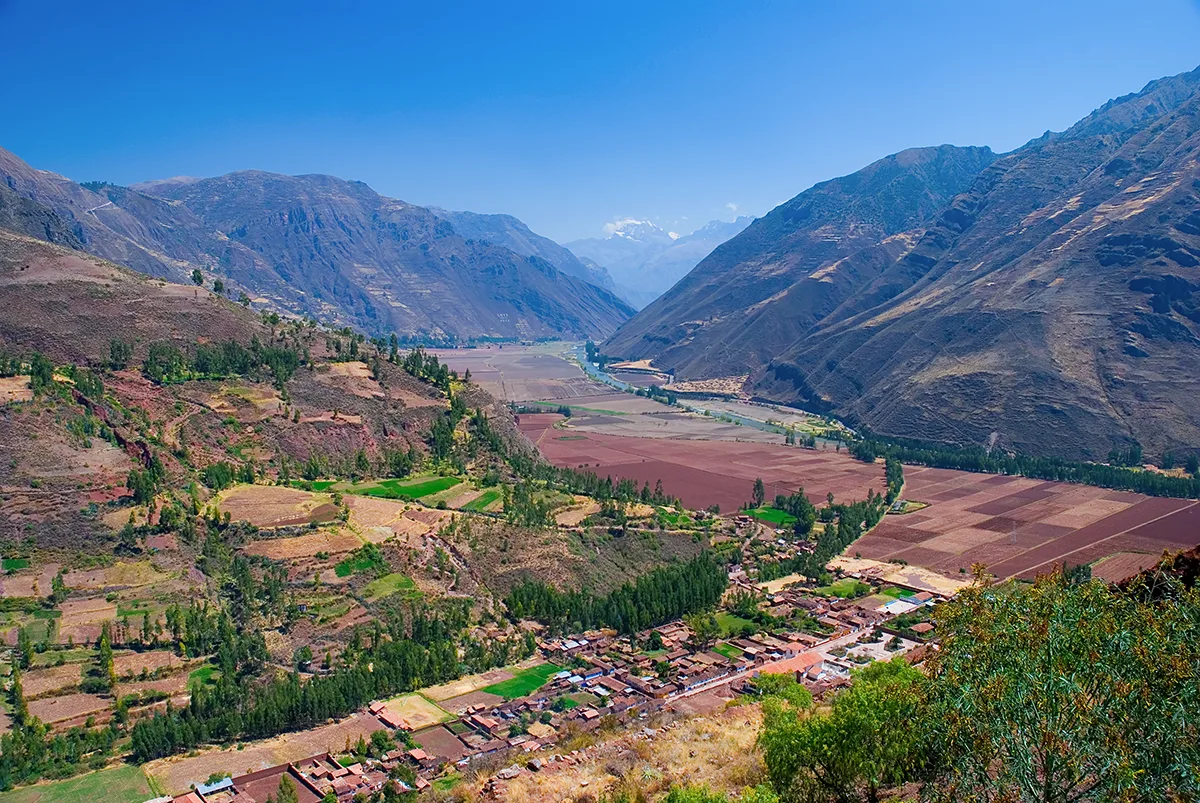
<point>646,261</point>
<point>325,247</point>
<point>755,294</point>
<point>338,248</point>
<point>1053,306</point>
<point>510,233</point>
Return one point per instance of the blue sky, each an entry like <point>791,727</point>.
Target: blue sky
<point>565,114</point>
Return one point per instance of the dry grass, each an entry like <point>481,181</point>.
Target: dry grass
<point>416,712</point>
<point>717,751</point>
<point>466,685</point>
<point>305,546</point>
<point>15,389</point>
<point>276,506</point>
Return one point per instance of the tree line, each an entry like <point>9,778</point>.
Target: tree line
<point>852,521</point>
<point>981,460</point>
<point>662,595</point>
<point>165,363</point>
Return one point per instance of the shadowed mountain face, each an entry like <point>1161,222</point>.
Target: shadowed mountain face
<point>754,295</point>
<point>322,246</point>
<point>510,233</point>
<point>1053,306</point>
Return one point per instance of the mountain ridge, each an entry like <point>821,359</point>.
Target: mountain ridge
<point>323,246</point>
<point>1049,307</point>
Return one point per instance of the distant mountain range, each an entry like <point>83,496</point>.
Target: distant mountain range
<point>645,261</point>
<point>326,247</point>
<point>1047,299</point>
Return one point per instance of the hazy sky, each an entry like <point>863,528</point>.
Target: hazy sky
<point>565,114</point>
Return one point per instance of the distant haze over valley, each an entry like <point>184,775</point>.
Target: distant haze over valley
<point>645,261</point>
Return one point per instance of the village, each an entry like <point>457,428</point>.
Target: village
<point>601,681</point>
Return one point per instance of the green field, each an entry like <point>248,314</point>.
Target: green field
<point>364,559</point>
<point>399,489</point>
<point>773,515</point>
<point>135,607</point>
<point>847,588</point>
<point>523,681</point>
<point>12,564</point>
<point>482,501</point>
<point>203,676</point>
<point>728,650</point>
<point>732,624</point>
<point>71,656</point>
<point>391,584</point>
<point>124,784</point>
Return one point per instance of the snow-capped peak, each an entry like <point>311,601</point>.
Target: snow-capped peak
<point>636,230</point>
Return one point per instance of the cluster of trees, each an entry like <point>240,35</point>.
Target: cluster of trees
<point>143,482</point>
<point>588,483</point>
<point>426,367</point>
<point>523,506</point>
<point>392,462</point>
<point>852,520</point>
<point>29,752</point>
<point>1062,690</point>
<point>594,355</point>
<point>659,394</point>
<point>165,363</point>
<point>894,474</point>
<point>11,364</point>
<point>660,596</point>
<point>797,505</point>
<point>220,476</point>
<point>1039,468</point>
<point>807,441</point>
<point>422,651</point>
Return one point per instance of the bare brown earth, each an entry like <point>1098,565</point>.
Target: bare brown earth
<point>1019,527</point>
<point>276,506</point>
<point>704,473</point>
<point>305,546</point>
<point>67,707</point>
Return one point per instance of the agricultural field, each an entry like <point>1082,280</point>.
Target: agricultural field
<point>733,625</point>
<point>772,515</point>
<point>1019,527</point>
<point>523,681</point>
<point>520,373</point>
<point>417,711</point>
<point>410,488</point>
<point>467,685</point>
<point>707,472</point>
<point>123,784</point>
<point>305,546</point>
<point>276,506</point>
<point>485,501</point>
<point>389,584</point>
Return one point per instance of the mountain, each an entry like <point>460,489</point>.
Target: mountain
<point>755,294</point>
<point>645,261</point>
<point>325,247</point>
<point>1052,306</point>
<point>510,233</point>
